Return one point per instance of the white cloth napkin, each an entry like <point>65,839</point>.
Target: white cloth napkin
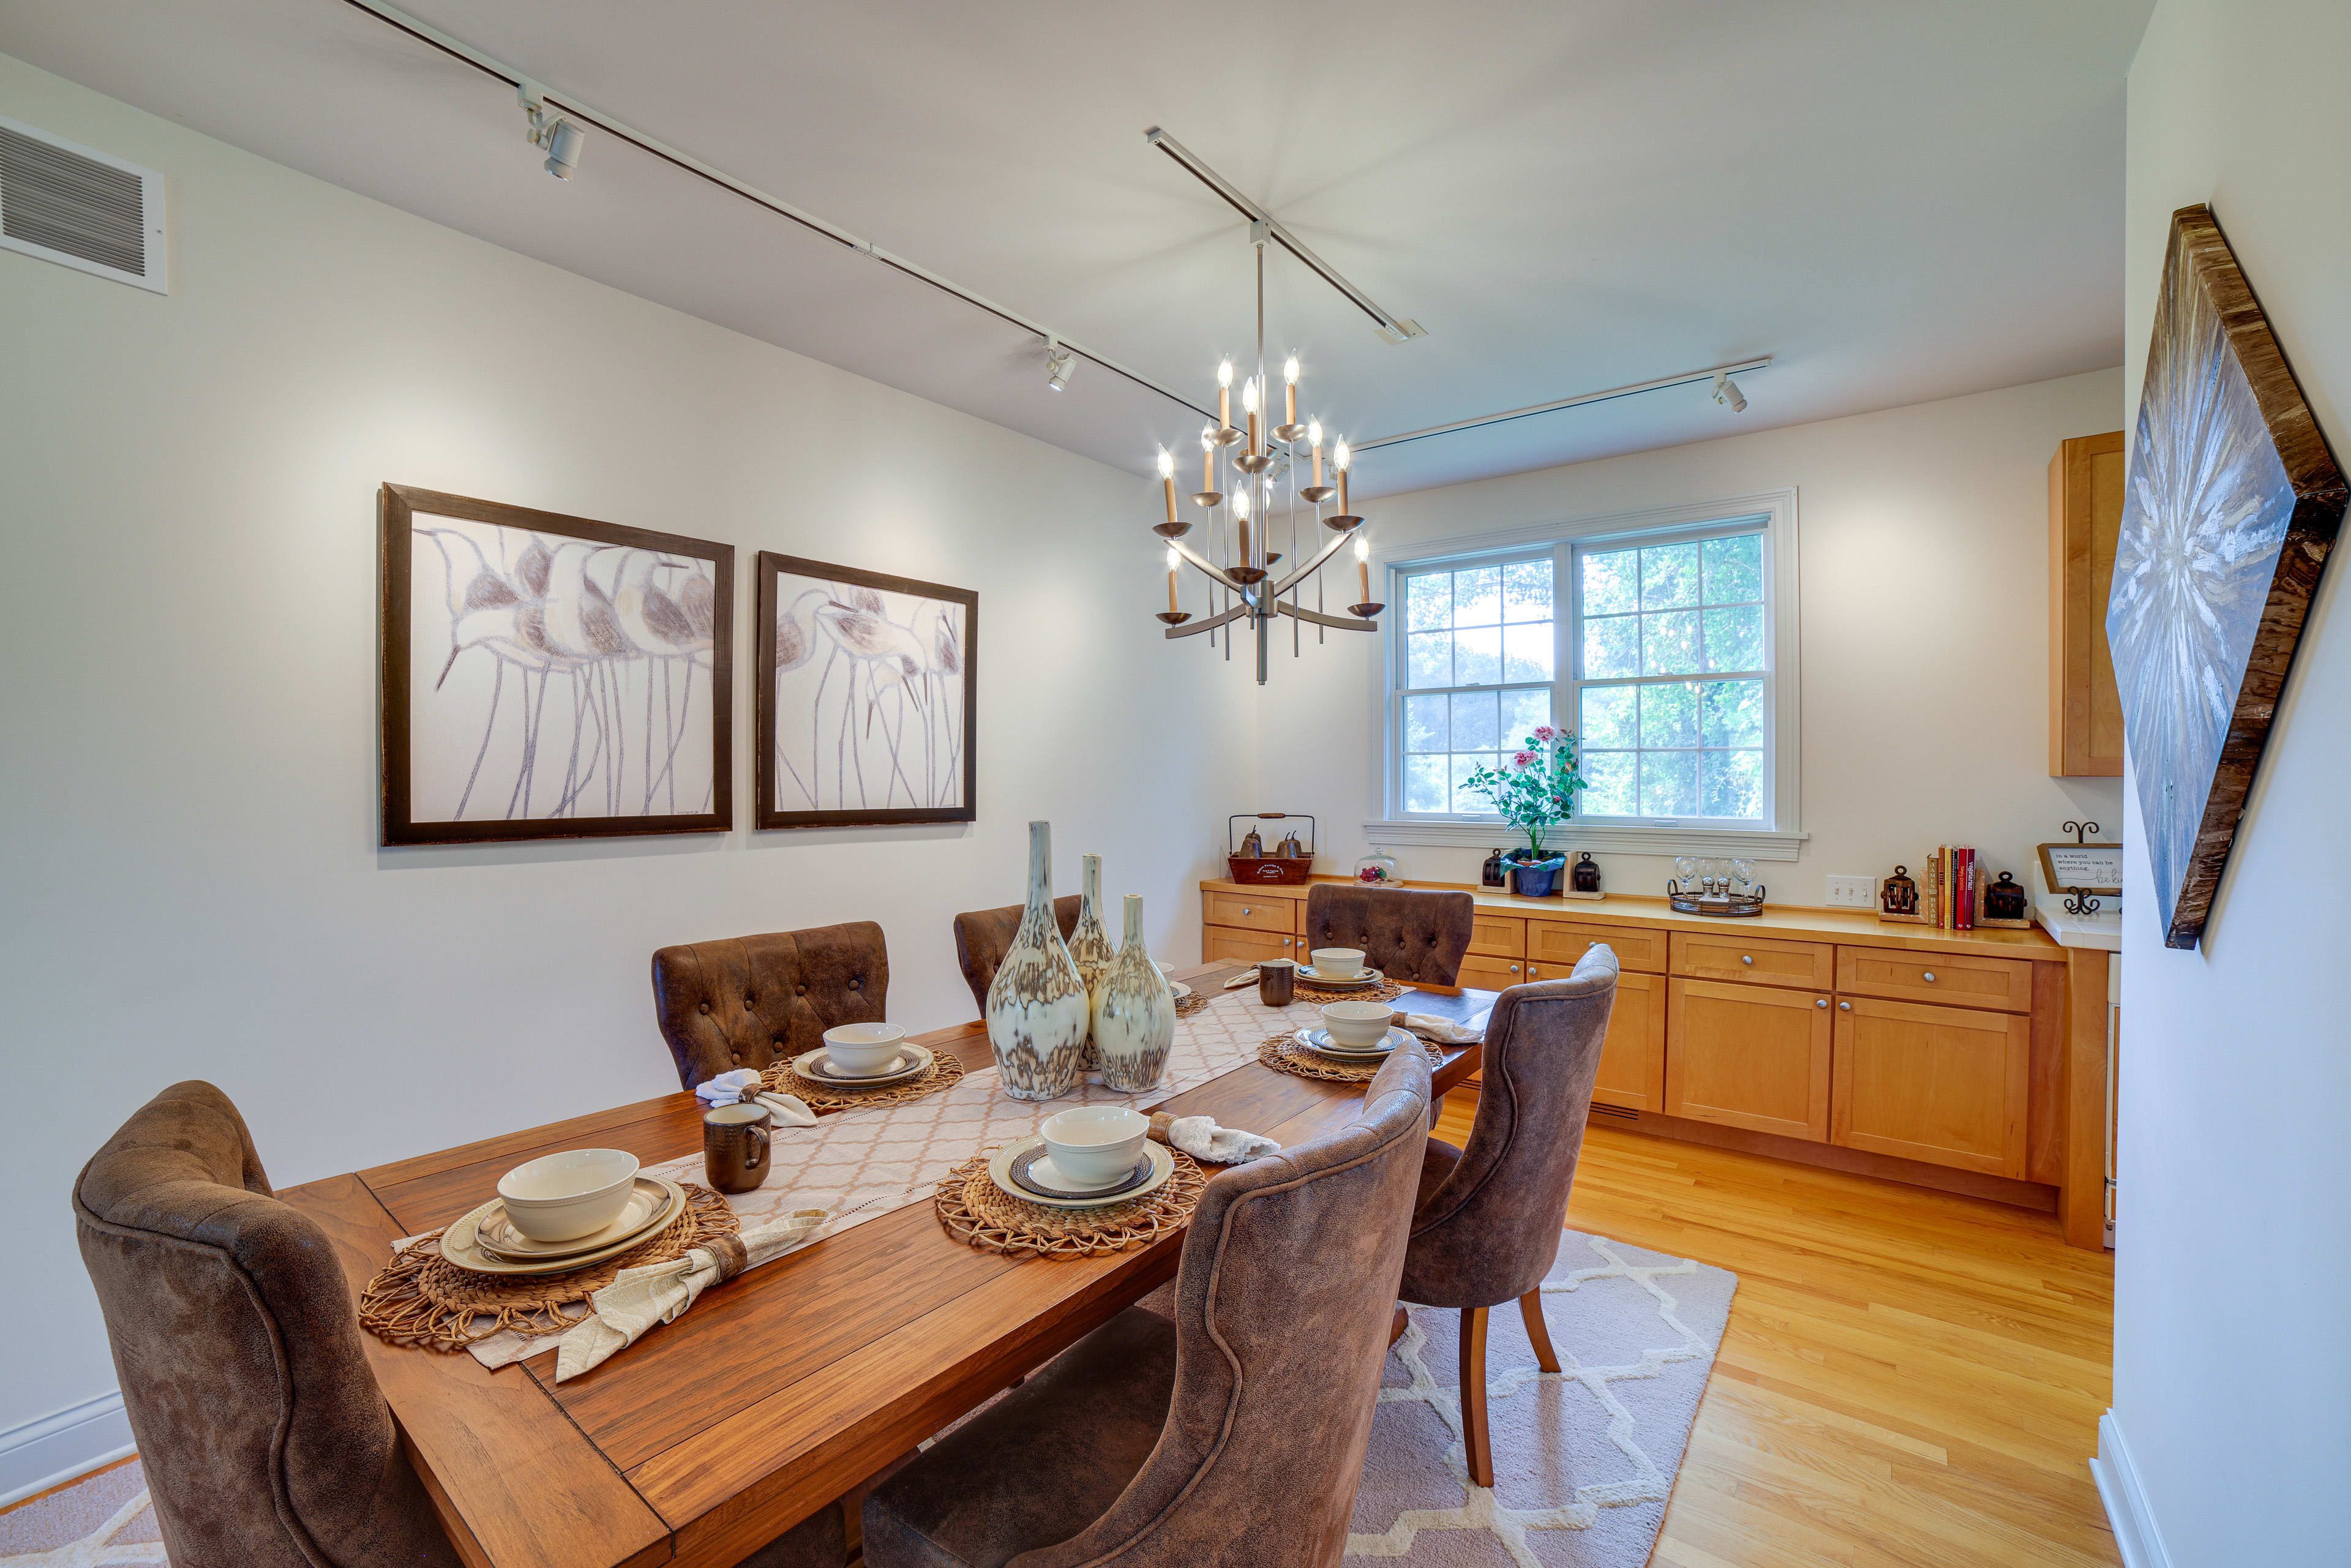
<point>660,1292</point>
<point>727,1088</point>
<point>1200,1137</point>
<point>1246,977</point>
<point>790,1110</point>
<point>1443,1032</point>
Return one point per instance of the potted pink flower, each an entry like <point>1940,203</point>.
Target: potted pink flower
<point>1534,789</point>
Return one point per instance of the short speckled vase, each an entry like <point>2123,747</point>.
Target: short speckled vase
<point>1134,1013</point>
<point>1037,1005</point>
<point>1089,946</point>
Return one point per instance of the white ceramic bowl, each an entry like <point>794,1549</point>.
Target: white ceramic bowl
<point>1359,1024</point>
<point>558,1196</point>
<point>1093,1145</point>
<point>1338,962</point>
<point>863,1049</point>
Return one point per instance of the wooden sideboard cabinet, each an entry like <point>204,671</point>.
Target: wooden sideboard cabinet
<point>1942,1058</point>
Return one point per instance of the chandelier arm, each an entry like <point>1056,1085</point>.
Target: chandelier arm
<point>1303,572</point>
<point>1216,572</point>
<point>1235,613</point>
<point>1344,623</point>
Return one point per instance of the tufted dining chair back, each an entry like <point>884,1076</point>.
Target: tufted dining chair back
<point>1416,935</point>
<point>265,1439</point>
<point>749,1001</point>
<point>985,936</point>
<point>1282,1302</point>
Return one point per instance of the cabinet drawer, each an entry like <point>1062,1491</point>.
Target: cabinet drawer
<point>1633,1056</point>
<point>1491,974</point>
<point>1563,942</point>
<point>1498,936</point>
<point>2002,983</point>
<point>1749,1056</point>
<point>1219,944</point>
<point>1273,914</point>
<point>1754,960</point>
<point>1948,1085</point>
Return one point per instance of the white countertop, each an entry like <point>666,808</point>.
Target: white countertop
<point>2102,929</point>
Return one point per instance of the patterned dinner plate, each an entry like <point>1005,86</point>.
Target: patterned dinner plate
<point>461,1243</point>
<point>999,1171</point>
<point>1364,981</point>
<point>1033,1171</point>
<point>816,1068</point>
<point>1320,1043</point>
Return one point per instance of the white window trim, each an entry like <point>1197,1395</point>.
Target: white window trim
<point>1782,841</point>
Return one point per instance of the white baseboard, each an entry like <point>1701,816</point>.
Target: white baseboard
<point>2135,1536</point>
<point>59,1447</point>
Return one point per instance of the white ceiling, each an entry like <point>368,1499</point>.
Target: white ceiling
<point>1899,201</point>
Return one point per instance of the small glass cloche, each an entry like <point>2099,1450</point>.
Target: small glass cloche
<point>1379,869</point>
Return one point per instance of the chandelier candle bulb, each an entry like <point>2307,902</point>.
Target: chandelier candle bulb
<point>1249,405</point>
<point>1225,394</point>
<point>1172,560</point>
<point>1167,480</point>
<point>1363,570</point>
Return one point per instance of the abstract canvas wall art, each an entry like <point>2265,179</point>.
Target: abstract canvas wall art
<point>547,676</point>
<point>866,697</point>
<point>2231,510</point>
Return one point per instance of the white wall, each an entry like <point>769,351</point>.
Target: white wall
<point>1924,570</point>
<point>2233,1368</point>
<point>187,622</point>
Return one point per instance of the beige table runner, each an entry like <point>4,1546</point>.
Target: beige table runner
<point>859,1165</point>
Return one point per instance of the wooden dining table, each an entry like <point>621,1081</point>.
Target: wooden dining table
<point>784,1388</point>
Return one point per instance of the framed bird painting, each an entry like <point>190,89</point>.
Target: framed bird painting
<point>549,677</point>
<point>866,697</point>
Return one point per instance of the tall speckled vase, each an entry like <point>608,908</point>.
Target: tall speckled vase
<point>1134,1013</point>
<point>1037,1005</point>
<point>1089,945</point>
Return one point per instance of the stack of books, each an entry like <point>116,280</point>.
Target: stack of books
<point>1948,893</point>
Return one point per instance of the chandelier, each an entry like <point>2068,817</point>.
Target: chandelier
<point>1249,490</point>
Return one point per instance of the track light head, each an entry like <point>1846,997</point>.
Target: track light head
<point>1058,364</point>
<point>561,137</point>
<point>1726,390</point>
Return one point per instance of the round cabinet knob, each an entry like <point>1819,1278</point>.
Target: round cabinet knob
<point>1822,1003</point>
<point>1844,1007</point>
<point>1514,968</point>
<point>1533,973</point>
<point>1930,977</point>
<point>1747,958</point>
<point>1246,910</point>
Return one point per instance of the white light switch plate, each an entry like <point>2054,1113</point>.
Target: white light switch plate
<point>1853,893</point>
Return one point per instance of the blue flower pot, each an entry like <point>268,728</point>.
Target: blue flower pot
<point>1535,881</point>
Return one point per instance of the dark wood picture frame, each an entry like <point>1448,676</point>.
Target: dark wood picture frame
<point>772,567</point>
<point>397,508</point>
<point>2232,506</point>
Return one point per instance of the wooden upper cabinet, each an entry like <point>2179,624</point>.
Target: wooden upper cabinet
<point>1749,1056</point>
<point>1556,945</point>
<point>1754,960</point>
<point>2085,515</point>
<point>1947,1085</point>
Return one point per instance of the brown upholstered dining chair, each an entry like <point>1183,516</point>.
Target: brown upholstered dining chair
<point>1413,935</point>
<point>266,1441</point>
<point>1485,1225</point>
<point>985,936</point>
<point>1230,1436</point>
<point>747,1001</point>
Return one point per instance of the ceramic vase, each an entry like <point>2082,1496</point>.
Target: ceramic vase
<point>1089,946</point>
<point>1134,1013</point>
<point>1037,1005</point>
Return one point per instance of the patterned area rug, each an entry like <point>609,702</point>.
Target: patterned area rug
<point>1583,1460</point>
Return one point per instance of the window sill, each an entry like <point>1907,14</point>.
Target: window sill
<point>1609,838</point>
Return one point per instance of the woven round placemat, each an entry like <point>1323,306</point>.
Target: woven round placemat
<point>946,1071</point>
<point>1284,1054</point>
<point>1386,991</point>
<point>1198,1002</point>
<point>980,1214</point>
<point>422,1299</point>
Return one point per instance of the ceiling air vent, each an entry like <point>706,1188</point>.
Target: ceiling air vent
<point>70,205</point>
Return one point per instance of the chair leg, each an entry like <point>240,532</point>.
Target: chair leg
<point>1530,1308</point>
<point>1479,1446</point>
<point>1398,1324</point>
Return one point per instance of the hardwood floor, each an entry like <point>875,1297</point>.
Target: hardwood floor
<point>1909,1377</point>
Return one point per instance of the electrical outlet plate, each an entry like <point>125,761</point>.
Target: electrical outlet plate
<point>1852,892</point>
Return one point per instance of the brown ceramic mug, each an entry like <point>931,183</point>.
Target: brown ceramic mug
<point>735,1143</point>
<point>1276,982</point>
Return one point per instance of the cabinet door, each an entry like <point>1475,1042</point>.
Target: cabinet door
<point>1948,1085</point>
<point>1749,1056</point>
<point>1561,943</point>
<point>1254,913</point>
<point>1222,943</point>
<point>1633,1061</point>
<point>1491,974</point>
<point>1498,936</point>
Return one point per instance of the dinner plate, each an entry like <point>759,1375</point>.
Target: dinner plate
<point>648,1205</point>
<point>1000,1169</point>
<point>813,1066</point>
<point>461,1243</point>
<point>1033,1171</point>
<point>1320,1043</point>
<point>1365,981</point>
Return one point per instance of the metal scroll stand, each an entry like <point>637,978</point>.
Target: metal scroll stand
<point>2079,901</point>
